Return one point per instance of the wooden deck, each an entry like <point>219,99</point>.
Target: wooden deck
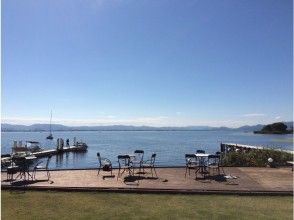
<point>248,180</point>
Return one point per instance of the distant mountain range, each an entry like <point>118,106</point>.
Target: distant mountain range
<point>59,127</point>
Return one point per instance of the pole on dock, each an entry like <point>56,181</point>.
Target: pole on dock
<point>75,141</point>
<point>60,144</point>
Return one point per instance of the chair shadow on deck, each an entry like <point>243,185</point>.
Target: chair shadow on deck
<point>107,176</point>
<point>23,182</point>
<point>208,179</point>
<point>220,178</point>
<point>134,180</point>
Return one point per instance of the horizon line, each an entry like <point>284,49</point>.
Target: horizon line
<point>150,126</point>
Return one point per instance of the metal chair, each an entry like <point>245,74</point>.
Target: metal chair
<point>214,163</point>
<point>104,164</point>
<point>124,164</point>
<point>22,165</point>
<point>220,154</point>
<point>42,168</point>
<point>11,170</point>
<point>191,162</point>
<point>138,160</point>
<point>150,164</point>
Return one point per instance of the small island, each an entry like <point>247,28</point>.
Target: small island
<point>275,128</point>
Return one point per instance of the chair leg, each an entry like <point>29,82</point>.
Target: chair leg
<point>223,170</point>
<point>9,176</point>
<point>196,171</point>
<point>155,172</point>
<point>118,173</point>
<point>32,176</point>
<point>48,174</point>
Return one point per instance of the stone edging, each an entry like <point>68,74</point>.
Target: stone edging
<point>150,191</point>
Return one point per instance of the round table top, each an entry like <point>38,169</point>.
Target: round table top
<point>31,157</point>
<point>201,155</point>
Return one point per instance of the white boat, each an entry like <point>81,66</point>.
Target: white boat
<point>30,146</point>
<point>81,146</point>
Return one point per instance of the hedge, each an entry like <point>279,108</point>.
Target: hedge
<point>256,158</point>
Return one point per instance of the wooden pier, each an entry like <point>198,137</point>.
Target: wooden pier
<point>46,153</point>
<point>79,147</point>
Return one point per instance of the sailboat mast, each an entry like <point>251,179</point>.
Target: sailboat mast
<point>50,121</point>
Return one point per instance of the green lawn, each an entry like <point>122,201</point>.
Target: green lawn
<point>85,205</point>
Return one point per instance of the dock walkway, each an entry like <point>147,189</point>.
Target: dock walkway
<point>46,153</point>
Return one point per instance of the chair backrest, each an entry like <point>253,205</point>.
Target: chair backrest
<point>20,162</point>
<point>220,156</point>
<point>190,158</point>
<point>99,158</point>
<point>48,161</point>
<point>123,160</point>
<point>200,151</point>
<point>153,156</point>
<point>215,159</point>
<point>139,154</point>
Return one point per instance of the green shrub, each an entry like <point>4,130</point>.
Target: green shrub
<point>256,158</point>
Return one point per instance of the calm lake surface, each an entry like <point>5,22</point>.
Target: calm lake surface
<point>170,146</point>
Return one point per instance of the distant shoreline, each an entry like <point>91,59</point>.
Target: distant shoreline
<point>120,130</point>
<point>59,127</point>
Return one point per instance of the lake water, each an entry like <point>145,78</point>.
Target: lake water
<point>170,146</point>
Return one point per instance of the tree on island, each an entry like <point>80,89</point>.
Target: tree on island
<point>275,128</point>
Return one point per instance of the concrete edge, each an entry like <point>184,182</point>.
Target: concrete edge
<point>150,191</point>
<point>96,168</point>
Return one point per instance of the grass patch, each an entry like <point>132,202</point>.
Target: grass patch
<point>90,205</point>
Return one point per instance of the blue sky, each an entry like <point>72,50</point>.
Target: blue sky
<point>159,63</point>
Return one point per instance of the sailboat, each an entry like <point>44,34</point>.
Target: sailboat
<point>50,136</point>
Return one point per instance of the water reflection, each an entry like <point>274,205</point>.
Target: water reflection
<point>69,160</point>
<point>59,160</point>
<point>78,157</point>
